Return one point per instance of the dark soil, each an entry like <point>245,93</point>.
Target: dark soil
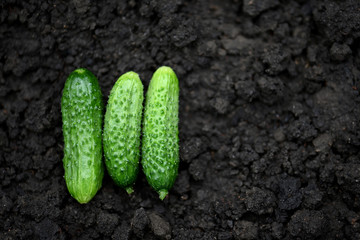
<point>269,117</point>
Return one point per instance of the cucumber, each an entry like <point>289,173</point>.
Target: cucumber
<point>82,108</point>
<point>160,146</point>
<point>122,130</point>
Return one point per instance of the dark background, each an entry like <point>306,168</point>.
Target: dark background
<point>269,117</point>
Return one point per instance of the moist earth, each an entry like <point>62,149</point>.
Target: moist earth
<point>269,117</point>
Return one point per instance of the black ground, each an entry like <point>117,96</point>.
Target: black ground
<point>269,117</point>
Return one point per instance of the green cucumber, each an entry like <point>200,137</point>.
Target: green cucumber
<point>122,130</point>
<point>82,108</point>
<point>160,143</point>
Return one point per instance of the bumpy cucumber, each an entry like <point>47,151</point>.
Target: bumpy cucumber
<point>122,130</point>
<point>82,108</point>
<point>160,146</point>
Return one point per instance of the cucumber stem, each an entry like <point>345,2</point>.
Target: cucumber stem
<point>162,193</point>
<point>129,190</point>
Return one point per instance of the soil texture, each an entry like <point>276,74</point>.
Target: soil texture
<point>269,117</point>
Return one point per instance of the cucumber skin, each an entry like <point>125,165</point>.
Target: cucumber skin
<point>82,108</point>
<point>160,146</point>
<point>122,130</point>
